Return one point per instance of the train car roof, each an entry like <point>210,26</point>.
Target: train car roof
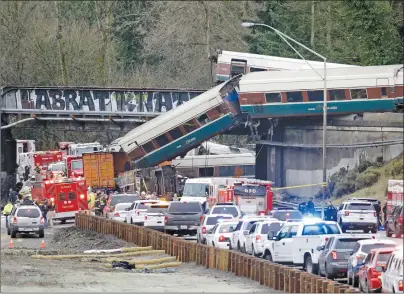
<point>308,79</point>
<point>275,62</point>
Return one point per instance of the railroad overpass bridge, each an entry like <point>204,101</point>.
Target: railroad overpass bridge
<point>288,149</point>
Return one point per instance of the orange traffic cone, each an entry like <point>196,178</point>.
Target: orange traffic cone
<point>43,244</point>
<point>11,245</point>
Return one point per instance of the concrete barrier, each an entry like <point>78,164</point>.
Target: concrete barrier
<point>272,275</point>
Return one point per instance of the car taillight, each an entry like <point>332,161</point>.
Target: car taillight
<point>222,239</point>
<point>334,255</point>
<point>201,219</point>
<point>116,214</point>
<point>346,213</point>
<point>400,285</point>
<point>374,273</point>
<point>15,220</point>
<point>257,238</point>
<point>138,212</point>
<point>326,239</point>
<point>42,220</point>
<point>165,219</point>
<point>145,217</point>
<point>400,220</point>
<point>204,230</point>
<point>374,214</point>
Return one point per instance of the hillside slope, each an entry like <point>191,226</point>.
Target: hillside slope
<point>375,179</point>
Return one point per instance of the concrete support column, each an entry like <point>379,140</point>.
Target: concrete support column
<point>269,162</point>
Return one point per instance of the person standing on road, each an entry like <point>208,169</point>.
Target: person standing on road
<point>331,212</point>
<point>385,211</point>
<point>7,210</point>
<point>45,210</point>
<point>310,206</point>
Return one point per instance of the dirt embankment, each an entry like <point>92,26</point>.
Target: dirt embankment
<point>72,239</point>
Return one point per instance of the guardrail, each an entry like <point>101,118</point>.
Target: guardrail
<point>272,275</point>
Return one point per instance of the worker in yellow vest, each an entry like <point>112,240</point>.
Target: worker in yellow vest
<point>90,198</point>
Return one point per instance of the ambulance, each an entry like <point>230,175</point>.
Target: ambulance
<point>30,162</point>
<point>68,196</point>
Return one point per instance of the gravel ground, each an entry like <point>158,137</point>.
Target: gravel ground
<point>21,273</point>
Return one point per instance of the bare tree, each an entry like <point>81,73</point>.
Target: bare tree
<point>59,39</point>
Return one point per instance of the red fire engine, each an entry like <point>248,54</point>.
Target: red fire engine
<point>74,166</point>
<point>68,196</point>
<point>252,196</point>
<point>31,161</point>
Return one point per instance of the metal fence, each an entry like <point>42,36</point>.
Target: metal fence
<point>272,275</point>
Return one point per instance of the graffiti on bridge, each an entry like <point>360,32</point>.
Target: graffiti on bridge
<point>109,100</point>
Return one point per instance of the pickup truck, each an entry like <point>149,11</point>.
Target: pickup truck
<point>183,218</point>
<point>296,243</point>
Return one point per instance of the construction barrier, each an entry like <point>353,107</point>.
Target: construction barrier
<point>272,275</point>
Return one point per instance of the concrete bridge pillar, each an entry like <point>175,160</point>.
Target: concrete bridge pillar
<point>269,161</point>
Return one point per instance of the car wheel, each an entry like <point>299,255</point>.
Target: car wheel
<point>131,221</point>
<point>8,232</point>
<point>269,257</point>
<point>230,247</point>
<point>355,281</point>
<point>309,266</point>
<point>343,229</point>
<point>238,247</point>
<point>327,275</point>
<point>253,250</point>
<point>41,233</point>
<point>374,231</point>
<point>13,233</point>
<point>244,250</point>
<point>349,278</point>
<point>213,244</point>
<point>388,233</point>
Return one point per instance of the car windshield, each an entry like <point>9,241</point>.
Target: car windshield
<point>191,207</point>
<point>266,228</point>
<point>144,205</point>
<point>226,228</point>
<point>122,206</point>
<point>346,243</point>
<point>383,257</point>
<point>249,225</point>
<point>77,164</point>
<point>360,206</point>
<point>367,247</point>
<point>123,199</point>
<point>212,220</point>
<point>195,189</point>
<point>60,166</point>
<point>28,212</point>
<point>320,229</point>
<point>285,215</point>
<point>225,210</point>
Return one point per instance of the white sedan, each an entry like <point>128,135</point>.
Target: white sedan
<point>219,236</point>
<point>120,211</point>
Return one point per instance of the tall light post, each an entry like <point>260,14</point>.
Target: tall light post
<point>323,77</point>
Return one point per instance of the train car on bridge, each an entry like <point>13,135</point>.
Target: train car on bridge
<point>300,93</point>
<point>229,64</point>
<point>183,128</point>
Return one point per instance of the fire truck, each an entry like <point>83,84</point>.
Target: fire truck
<point>68,196</point>
<point>31,161</point>
<point>254,197</point>
<point>63,147</point>
<point>394,193</point>
<point>74,166</point>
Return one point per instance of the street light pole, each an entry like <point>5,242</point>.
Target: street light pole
<point>284,37</point>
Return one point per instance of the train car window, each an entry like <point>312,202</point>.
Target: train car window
<point>162,140</point>
<point>203,119</point>
<point>359,94</point>
<point>148,147</point>
<point>175,133</point>
<point>249,170</point>
<point>254,69</point>
<point>384,92</point>
<point>336,94</point>
<point>315,95</point>
<point>190,126</point>
<point>294,96</point>
<point>273,97</point>
<point>206,172</point>
<point>238,66</point>
<point>227,171</point>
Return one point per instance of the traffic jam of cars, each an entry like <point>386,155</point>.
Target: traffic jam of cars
<point>348,248</point>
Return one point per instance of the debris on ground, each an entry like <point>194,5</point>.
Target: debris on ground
<point>73,239</point>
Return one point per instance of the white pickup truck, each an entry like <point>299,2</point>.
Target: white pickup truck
<point>296,243</point>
